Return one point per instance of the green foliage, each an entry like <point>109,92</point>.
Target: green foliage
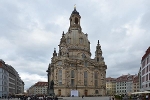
<point>119,97</point>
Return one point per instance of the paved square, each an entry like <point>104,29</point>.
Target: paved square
<point>74,98</point>
<point>86,98</point>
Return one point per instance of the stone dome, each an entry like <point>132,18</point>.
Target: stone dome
<point>78,40</point>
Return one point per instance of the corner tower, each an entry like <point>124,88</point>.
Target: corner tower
<point>73,69</point>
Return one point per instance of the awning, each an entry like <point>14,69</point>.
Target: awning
<point>20,94</point>
<point>141,92</point>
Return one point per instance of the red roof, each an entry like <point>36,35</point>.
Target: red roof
<point>109,79</point>
<point>136,79</point>
<point>41,84</point>
<point>146,53</point>
<point>125,78</point>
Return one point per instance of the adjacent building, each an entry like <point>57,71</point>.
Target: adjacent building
<point>124,84</point>
<point>10,81</point>
<point>145,71</point>
<point>39,89</point>
<point>110,86</point>
<point>135,86</point>
<point>72,68</point>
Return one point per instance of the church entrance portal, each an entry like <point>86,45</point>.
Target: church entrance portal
<point>59,92</point>
<point>85,93</point>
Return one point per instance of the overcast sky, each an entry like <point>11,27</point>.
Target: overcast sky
<point>31,29</point>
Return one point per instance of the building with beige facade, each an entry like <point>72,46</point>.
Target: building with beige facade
<point>110,86</point>
<point>72,68</point>
<point>39,89</point>
<point>135,86</point>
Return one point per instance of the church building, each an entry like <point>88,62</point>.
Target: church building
<point>72,68</point>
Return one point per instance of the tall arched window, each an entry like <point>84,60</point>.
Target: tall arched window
<point>96,92</point>
<point>68,40</point>
<point>72,78</point>
<point>97,59</point>
<point>60,77</point>
<point>85,78</point>
<point>96,78</point>
<point>76,20</point>
<point>85,63</point>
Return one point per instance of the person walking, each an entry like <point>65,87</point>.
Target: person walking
<point>110,98</point>
<point>82,96</point>
<point>113,97</point>
<point>146,96</point>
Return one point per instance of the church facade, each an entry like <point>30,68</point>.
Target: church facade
<point>72,67</point>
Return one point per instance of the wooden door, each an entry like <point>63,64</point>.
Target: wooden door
<point>85,93</point>
<point>59,92</point>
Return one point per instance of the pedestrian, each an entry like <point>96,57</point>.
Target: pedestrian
<point>147,97</point>
<point>82,96</point>
<point>113,97</point>
<point>56,98</point>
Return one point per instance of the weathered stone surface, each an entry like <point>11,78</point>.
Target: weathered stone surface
<point>72,68</point>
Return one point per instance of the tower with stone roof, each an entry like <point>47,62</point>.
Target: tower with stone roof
<point>72,68</point>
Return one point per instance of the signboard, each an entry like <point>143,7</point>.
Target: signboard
<point>74,93</point>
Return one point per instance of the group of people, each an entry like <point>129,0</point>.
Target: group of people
<point>44,98</point>
<point>23,97</point>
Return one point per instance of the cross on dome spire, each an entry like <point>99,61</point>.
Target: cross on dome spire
<point>75,6</point>
<point>75,11</point>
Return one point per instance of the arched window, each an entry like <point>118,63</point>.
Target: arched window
<point>59,63</point>
<point>72,74</point>
<point>72,78</point>
<point>72,65</point>
<point>85,63</point>
<point>97,59</point>
<point>60,77</point>
<point>96,78</point>
<point>68,40</point>
<point>76,20</point>
<point>85,78</point>
<point>96,91</point>
<point>81,40</point>
<point>83,56</point>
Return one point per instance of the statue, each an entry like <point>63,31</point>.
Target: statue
<point>51,88</point>
<point>52,84</point>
